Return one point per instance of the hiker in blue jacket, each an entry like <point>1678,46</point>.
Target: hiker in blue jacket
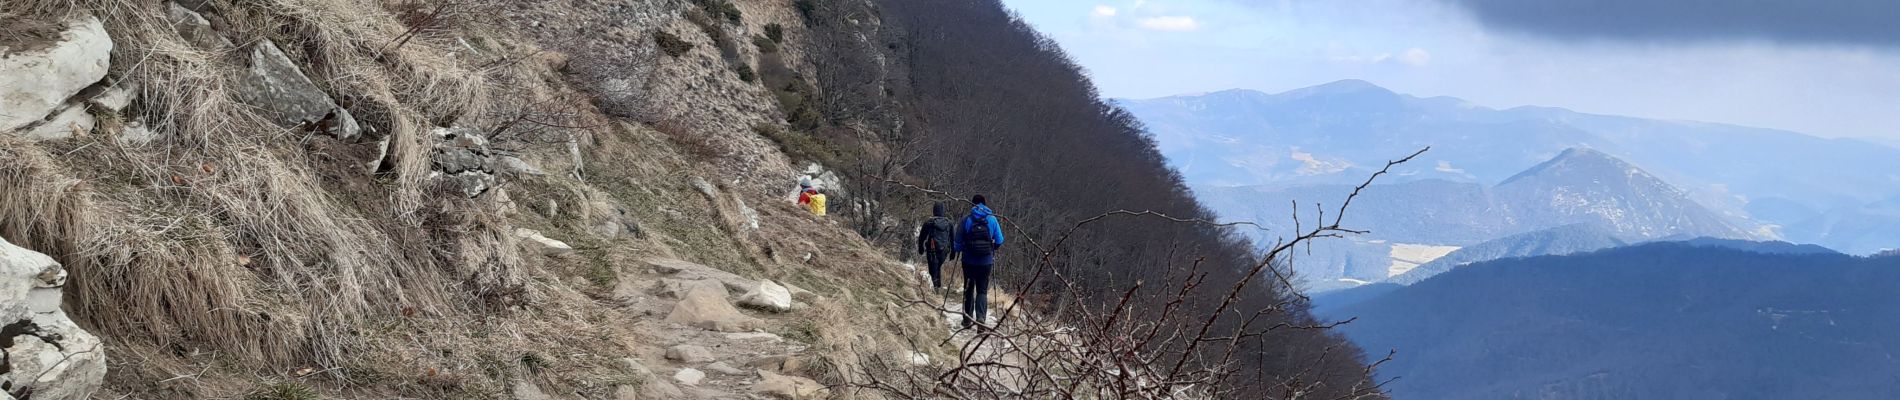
<point>977,239</point>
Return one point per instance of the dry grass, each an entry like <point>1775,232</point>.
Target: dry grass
<point>228,234</point>
<point>231,251</point>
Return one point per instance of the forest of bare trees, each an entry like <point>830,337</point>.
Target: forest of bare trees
<point>938,100</point>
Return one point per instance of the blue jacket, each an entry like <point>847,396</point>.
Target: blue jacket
<point>975,256</point>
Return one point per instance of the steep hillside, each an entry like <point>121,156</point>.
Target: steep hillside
<point>366,199</point>
<point>589,199</point>
<point>1669,320</point>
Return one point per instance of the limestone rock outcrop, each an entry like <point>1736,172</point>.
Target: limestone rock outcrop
<point>46,355</point>
<point>37,85</point>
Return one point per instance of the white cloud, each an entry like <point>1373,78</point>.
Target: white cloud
<point>1416,57</point>
<point>1169,23</point>
<point>1104,11</point>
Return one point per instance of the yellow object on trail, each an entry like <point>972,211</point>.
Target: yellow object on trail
<point>818,204</point>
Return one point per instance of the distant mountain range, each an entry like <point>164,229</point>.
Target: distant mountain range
<point>1835,192</point>
<point>1698,319</point>
<point>1579,200</point>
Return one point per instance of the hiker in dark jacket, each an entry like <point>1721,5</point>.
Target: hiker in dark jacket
<point>978,238</point>
<point>934,241</point>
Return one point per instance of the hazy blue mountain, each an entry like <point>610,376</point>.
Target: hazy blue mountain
<point>1861,229</point>
<point>1807,189</point>
<point>1662,320</point>
<point>1588,186</point>
<point>1618,201</point>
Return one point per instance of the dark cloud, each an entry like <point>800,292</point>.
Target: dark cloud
<point>1842,22</point>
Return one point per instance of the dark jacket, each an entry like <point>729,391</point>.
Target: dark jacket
<point>937,227</point>
<point>979,254</point>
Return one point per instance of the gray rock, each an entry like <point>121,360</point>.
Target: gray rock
<point>767,295</point>
<point>286,96</point>
<point>722,368</point>
<point>461,157</point>
<point>195,29</point>
<point>36,83</point>
<point>48,356</point>
<point>690,354</point>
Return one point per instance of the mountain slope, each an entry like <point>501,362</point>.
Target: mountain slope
<point>1586,186</point>
<point>1664,320</point>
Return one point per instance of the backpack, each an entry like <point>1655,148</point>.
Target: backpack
<point>978,239</point>
<point>939,233</point>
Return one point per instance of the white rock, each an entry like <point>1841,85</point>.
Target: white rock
<point>919,359</point>
<point>769,296</point>
<point>117,97</point>
<point>549,246</point>
<point>689,376</point>
<point>517,166</point>
<point>34,83</point>
<point>69,121</point>
<point>49,356</point>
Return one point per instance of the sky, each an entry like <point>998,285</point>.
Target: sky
<point>1830,71</point>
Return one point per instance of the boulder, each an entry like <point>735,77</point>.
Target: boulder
<point>689,376</point>
<point>46,354</point>
<point>690,354</point>
<point>281,91</point>
<point>706,308</point>
<point>767,295</point>
<point>37,82</point>
<point>787,387</point>
<point>548,246</point>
